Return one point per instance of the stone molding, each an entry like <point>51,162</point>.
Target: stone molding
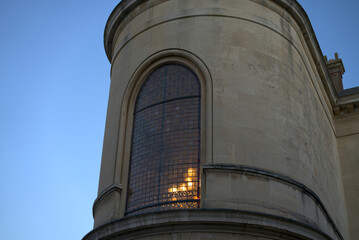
<point>248,223</point>
<point>119,15</point>
<point>226,167</point>
<point>113,188</point>
<point>278,177</point>
<point>345,109</point>
<point>126,10</point>
<point>348,103</point>
<point>122,11</point>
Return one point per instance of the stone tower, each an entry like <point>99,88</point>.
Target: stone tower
<point>221,124</point>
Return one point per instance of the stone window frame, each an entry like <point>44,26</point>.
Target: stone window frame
<point>197,66</point>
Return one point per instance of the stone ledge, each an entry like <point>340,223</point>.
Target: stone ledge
<point>206,221</point>
<point>278,177</point>
<point>348,102</point>
<point>348,91</point>
<point>104,193</point>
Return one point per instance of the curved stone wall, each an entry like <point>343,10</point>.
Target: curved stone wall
<point>270,145</point>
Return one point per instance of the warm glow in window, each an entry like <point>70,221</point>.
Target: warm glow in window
<point>165,148</point>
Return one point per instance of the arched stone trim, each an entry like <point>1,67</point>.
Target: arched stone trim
<point>176,56</point>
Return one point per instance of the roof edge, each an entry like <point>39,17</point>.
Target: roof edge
<point>291,6</point>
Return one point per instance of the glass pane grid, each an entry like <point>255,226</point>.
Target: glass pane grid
<point>165,150</point>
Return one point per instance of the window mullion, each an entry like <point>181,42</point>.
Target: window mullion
<point>162,135</point>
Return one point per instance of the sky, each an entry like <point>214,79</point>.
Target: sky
<point>54,85</point>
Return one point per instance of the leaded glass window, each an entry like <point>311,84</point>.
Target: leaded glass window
<point>165,149</point>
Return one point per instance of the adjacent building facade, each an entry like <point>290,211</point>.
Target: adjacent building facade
<point>225,121</point>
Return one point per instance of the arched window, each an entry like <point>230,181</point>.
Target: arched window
<point>165,149</point>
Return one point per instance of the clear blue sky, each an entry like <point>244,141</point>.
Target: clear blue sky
<point>54,84</point>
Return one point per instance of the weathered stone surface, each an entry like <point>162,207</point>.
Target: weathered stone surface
<point>269,141</point>
<point>348,143</point>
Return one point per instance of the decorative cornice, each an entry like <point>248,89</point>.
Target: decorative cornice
<point>348,102</point>
<point>344,110</point>
<point>119,14</point>
<point>126,10</point>
<point>126,7</point>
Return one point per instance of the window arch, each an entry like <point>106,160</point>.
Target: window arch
<point>165,148</point>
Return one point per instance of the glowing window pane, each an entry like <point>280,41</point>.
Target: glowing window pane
<point>165,148</point>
